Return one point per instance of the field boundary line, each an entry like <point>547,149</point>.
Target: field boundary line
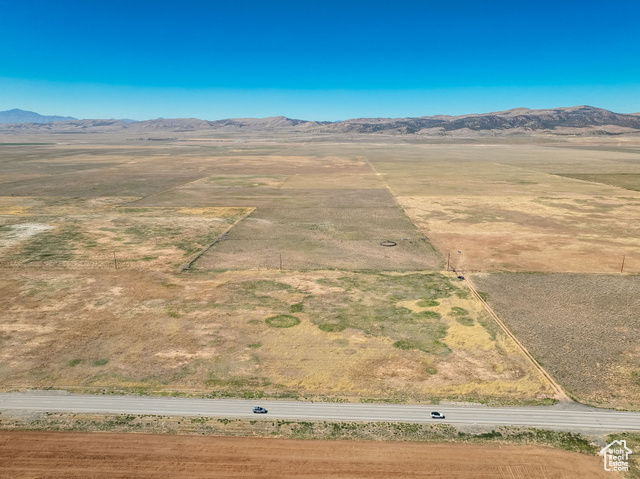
<point>404,211</point>
<point>560,393</point>
<point>198,255</point>
<point>161,192</point>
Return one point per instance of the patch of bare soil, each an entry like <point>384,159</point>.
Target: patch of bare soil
<point>83,455</point>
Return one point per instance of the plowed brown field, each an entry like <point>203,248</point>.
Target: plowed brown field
<point>93,455</point>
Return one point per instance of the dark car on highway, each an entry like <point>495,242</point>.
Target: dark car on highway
<point>259,410</point>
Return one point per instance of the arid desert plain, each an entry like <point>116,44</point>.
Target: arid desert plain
<point>322,268</point>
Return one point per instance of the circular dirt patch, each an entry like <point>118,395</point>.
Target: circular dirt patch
<point>282,321</point>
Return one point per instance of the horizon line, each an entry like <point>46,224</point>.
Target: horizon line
<point>319,121</point>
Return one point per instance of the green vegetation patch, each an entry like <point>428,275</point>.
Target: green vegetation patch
<point>490,327</point>
<point>466,321</point>
<point>296,308</point>
<point>435,347</point>
<point>484,296</point>
<point>428,315</point>
<point>432,347</point>
<point>428,303</point>
<point>332,327</point>
<point>282,321</point>
<point>439,288</point>
<point>368,302</point>
<point>265,286</point>
<point>457,311</point>
<point>404,344</point>
<point>100,362</point>
<point>59,244</point>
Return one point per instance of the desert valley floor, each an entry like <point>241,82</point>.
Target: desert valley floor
<point>322,268</point>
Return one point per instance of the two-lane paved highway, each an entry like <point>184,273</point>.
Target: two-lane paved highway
<point>567,417</point>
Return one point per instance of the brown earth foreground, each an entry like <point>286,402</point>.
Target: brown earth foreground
<point>27,454</point>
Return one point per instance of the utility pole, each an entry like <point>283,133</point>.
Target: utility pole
<point>115,261</point>
<point>622,267</point>
<point>280,261</point>
<point>448,260</point>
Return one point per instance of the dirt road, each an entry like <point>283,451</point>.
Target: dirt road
<point>25,454</point>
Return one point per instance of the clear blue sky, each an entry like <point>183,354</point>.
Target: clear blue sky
<point>325,60</point>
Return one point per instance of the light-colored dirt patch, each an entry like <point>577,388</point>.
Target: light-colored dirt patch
<point>14,234</point>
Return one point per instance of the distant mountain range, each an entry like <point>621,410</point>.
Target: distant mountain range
<point>585,120</point>
<point>22,116</point>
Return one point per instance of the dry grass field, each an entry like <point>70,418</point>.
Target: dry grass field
<point>584,329</point>
<point>352,336</point>
<point>345,317</point>
<point>317,212</point>
<point>521,207</point>
<point>80,233</point>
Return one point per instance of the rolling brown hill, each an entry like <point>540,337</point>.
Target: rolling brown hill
<point>585,120</point>
<point>519,120</point>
